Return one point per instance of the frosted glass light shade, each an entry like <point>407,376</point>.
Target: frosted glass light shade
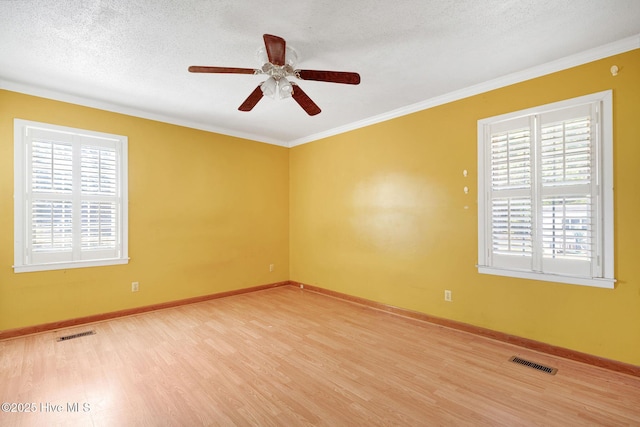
<point>285,88</point>
<point>269,87</point>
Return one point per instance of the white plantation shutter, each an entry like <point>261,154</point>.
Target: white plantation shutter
<point>71,197</point>
<point>568,226</point>
<point>50,204</point>
<point>510,172</point>
<point>99,209</point>
<point>545,193</point>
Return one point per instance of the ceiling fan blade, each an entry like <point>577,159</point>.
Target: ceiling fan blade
<point>276,49</point>
<point>252,100</point>
<point>329,76</point>
<point>231,70</point>
<point>305,102</point>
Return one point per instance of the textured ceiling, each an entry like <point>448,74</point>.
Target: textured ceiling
<point>132,55</point>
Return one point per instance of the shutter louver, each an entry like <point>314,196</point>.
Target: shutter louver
<point>98,171</point>
<point>51,167</point>
<point>511,160</point>
<point>511,226</point>
<point>98,225</point>
<point>567,228</point>
<point>566,153</point>
<point>52,225</point>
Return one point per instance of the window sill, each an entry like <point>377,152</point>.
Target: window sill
<point>583,281</point>
<point>69,265</point>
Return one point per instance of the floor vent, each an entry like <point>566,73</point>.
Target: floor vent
<point>78,335</point>
<point>537,366</point>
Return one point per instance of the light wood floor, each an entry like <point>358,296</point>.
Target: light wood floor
<point>287,357</point>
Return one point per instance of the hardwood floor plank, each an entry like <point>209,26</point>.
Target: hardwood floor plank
<point>285,356</point>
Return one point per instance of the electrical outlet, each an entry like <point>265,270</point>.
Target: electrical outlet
<point>271,267</point>
<point>447,295</point>
<point>134,286</point>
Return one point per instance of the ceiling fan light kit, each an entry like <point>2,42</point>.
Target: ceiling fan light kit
<point>278,61</point>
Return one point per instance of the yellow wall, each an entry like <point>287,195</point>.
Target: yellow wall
<point>380,213</point>
<point>207,213</point>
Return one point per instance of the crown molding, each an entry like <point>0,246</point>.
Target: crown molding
<point>615,48</point>
<point>121,109</point>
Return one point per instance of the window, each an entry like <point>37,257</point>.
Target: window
<point>70,198</point>
<point>545,192</point>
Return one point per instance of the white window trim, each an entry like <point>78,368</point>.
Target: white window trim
<point>20,159</point>
<point>606,182</point>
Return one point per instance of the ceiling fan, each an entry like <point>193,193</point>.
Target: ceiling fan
<point>278,62</point>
